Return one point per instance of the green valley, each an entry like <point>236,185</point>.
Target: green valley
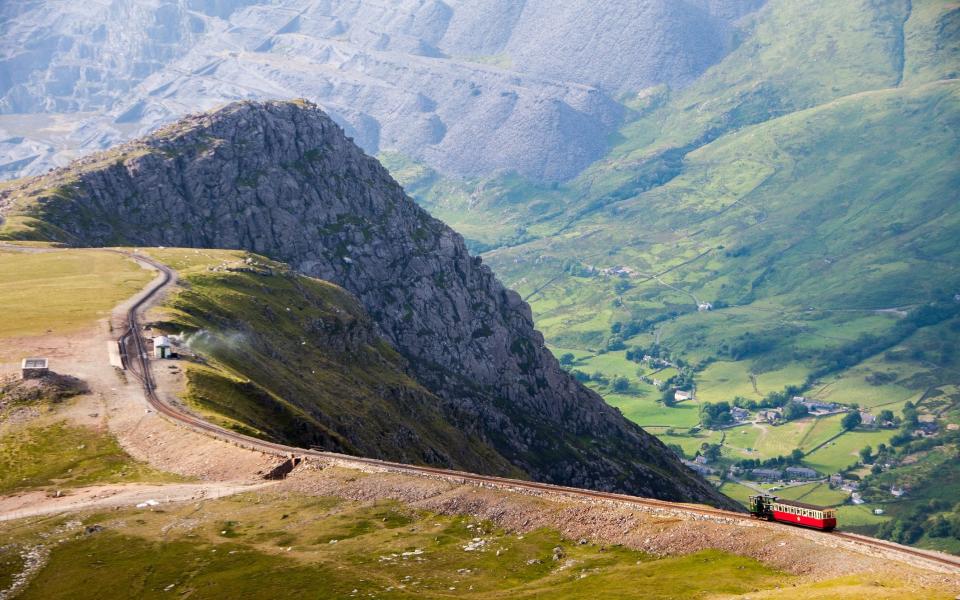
<point>784,227</point>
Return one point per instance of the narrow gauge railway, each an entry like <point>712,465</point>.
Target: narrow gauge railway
<point>137,360</point>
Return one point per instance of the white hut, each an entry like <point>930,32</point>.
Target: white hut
<point>161,346</point>
<point>34,368</point>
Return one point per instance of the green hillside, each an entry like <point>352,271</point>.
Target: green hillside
<point>295,359</point>
<point>805,188</point>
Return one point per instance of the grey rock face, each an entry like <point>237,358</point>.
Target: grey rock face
<point>469,87</point>
<point>283,180</point>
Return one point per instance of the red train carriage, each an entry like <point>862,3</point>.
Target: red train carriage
<point>793,512</point>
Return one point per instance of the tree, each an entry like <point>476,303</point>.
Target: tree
<point>677,449</point>
<point>567,359</point>
<point>794,410</point>
<point>796,456</point>
<point>939,528</point>
<point>669,398</point>
<point>866,455</point>
<point>621,384</point>
<point>851,420</point>
<point>886,415</point>
<point>711,451</point>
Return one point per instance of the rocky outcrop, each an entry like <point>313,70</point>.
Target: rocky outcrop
<point>282,179</point>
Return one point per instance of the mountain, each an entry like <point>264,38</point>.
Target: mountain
<point>784,226</point>
<point>468,87</point>
<point>293,358</point>
<point>281,179</point>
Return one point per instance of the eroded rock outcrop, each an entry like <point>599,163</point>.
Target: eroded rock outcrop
<point>282,179</point>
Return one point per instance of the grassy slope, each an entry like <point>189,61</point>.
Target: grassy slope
<point>62,291</point>
<point>263,546</point>
<point>813,168</point>
<point>295,359</point>
<point>61,455</point>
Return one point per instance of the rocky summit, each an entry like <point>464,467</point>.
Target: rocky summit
<point>283,180</point>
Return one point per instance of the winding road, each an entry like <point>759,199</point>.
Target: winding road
<point>138,362</point>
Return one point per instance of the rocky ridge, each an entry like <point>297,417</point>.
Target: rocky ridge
<point>281,179</point>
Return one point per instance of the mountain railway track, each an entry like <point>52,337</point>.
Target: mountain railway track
<point>136,358</point>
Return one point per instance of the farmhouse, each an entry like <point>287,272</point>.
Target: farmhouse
<point>801,473</point>
<point>739,414</point>
<point>699,468</point>
<point>771,416</point>
<point>815,406</point>
<point>867,419</point>
<point>767,474</point>
<point>681,395</point>
<point>34,368</point>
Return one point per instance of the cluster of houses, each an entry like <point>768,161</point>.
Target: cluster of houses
<point>791,473</point>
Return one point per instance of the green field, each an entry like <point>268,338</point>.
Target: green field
<point>842,452</point>
<point>62,456</point>
<point>814,493</point>
<point>62,291</point>
<point>277,546</point>
<point>738,492</point>
<point>272,546</point>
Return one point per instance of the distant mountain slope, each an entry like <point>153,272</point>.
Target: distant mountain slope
<point>282,179</point>
<point>470,87</point>
<point>788,222</point>
<point>815,164</point>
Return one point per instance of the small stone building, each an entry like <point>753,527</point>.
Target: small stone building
<point>34,368</point>
<point>161,346</point>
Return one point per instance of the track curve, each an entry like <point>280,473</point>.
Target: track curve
<point>134,351</point>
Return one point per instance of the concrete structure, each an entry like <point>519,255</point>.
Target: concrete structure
<point>161,346</point>
<point>34,368</point>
